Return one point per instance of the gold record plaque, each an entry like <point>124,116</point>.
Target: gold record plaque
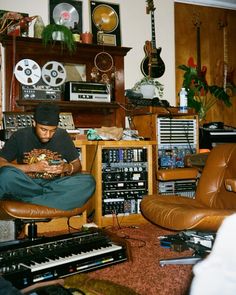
<point>105,18</point>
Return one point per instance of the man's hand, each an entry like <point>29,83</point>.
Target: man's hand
<point>47,167</point>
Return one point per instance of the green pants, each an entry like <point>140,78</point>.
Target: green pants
<point>63,193</point>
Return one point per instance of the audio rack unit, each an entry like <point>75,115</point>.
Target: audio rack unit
<point>12,121</point>
<point>177,137</point>
<point>184,188</point>
<point>123,174</point>
<point>124,180</point>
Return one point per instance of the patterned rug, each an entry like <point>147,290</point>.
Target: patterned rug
<point>82,284</point>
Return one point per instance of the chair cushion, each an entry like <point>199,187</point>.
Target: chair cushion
<point>181,213</point>
<point>10,209</point>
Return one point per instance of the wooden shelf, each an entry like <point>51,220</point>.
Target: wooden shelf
<point>56,48</point>
<point>85,114</point>
<point>94,162</point>
<point>72,105</point>
<point>160,111</point>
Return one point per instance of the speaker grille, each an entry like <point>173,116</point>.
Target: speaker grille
<point>176,139</point>
<point>7,230</point>
<point>172,132</point>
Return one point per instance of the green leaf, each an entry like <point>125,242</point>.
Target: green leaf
<point>220,94</point>
<point>68,38</point>
<point>197,87</point>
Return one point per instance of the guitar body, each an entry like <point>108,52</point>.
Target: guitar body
<point>230,87</point>
<point>201,71</point>
<point>152,65</point>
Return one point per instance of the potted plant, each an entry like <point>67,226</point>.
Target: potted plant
<point>201,95</point>
<point>55,32</point>
<point>149,87</point>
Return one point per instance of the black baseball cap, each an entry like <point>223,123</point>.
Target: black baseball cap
<point>47,114</point>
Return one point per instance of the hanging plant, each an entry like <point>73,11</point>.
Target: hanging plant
<point>159,88</point>
<point>52,31</point>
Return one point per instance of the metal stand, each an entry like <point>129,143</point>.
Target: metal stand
<point>196,241</point>
<point>180,260</point>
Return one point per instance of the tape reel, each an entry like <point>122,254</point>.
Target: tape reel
<point>53,73</point>
<point>27,72</point>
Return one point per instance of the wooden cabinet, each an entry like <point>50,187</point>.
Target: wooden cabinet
<point>85,114</point>
<point>145,120</point>
<point>123,171</point>
<point>176,136</point>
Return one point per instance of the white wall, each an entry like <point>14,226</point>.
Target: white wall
<point>135,29</point>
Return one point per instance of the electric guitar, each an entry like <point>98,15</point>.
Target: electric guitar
<point>228,71</point>
<point>152,65</point>
<point>201,71</point>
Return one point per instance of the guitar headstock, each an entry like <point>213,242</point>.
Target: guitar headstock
<point>222,23</point>
<point>196,20</point>
<point>150,6</point>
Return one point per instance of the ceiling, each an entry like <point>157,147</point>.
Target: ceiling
<point>230,4</point>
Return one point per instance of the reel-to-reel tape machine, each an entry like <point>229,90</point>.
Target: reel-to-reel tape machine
<point>49,83</point>
<point>37,83</point>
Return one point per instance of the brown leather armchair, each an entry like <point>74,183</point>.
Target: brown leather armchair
<point>214,199</point>
<point>42,219</point>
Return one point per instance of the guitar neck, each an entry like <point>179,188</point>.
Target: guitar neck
<point>199,66</point>
<point>225,39</point>
<point>153,30</point>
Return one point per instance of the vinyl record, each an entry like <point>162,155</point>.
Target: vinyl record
<point>105,18</point>
<point>65,14</point>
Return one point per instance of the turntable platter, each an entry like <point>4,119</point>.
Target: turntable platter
<point>105,18</point>
<point>65,14</point>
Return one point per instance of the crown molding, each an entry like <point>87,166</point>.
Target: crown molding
<point>228,4</point>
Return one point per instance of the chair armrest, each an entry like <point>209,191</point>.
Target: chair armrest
<point>177,173</point>
<point>230,184</point>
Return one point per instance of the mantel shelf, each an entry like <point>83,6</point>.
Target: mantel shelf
<point>85,113</point>
<point>68,105</point>
<point>56,47</point>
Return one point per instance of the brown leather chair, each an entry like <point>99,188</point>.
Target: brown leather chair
<point>42,219</point>
<point>214,199</point>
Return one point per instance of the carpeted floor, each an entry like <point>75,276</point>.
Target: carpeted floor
<point>143,274</point>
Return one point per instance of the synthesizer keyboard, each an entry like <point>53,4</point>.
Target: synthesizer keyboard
<point>27,262</point>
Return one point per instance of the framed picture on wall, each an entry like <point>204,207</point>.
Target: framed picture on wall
<point>67,13</point>
<point>105,23</point>
<point>12,23</point>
